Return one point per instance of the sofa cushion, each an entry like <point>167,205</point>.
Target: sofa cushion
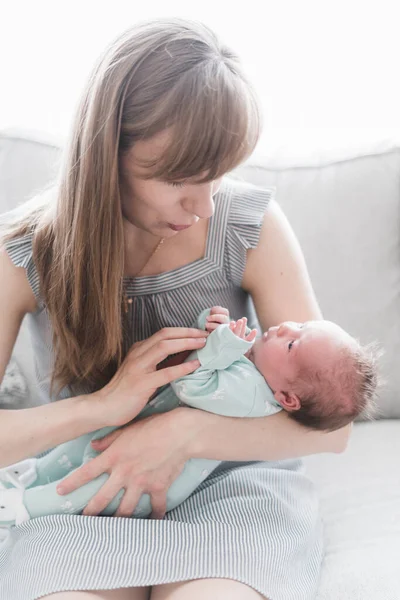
<point>28,161</point>
<point>360,504</point>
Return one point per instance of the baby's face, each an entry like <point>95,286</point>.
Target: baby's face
<point>285,349</point>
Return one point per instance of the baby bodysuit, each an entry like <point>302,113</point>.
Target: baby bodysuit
<point>226,383</point>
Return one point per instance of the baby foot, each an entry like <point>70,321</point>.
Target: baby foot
<point>12,507</point>
<point>21,474</point>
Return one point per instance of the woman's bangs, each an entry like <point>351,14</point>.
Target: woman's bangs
<point>210,136</point>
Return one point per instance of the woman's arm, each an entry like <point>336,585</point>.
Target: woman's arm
<point>27,432</point>
<point>276,277</point>
<point>30,431</point>
<point>276,437</point>
<point>276,274</point>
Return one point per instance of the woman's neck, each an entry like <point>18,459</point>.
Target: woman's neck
<point>177,251</point>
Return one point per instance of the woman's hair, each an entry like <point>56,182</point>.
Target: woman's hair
<point>163,74</point>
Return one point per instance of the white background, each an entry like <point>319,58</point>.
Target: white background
<point>324,70</point>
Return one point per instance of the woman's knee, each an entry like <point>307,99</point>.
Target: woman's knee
<point>139,593</point>
<point>199,589</point>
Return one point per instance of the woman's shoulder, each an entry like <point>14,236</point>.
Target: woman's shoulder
<point>15,286</point>
<point>247,206</point>
<point>248,201</point>
<point>17,251</point>
<point>19,248</point>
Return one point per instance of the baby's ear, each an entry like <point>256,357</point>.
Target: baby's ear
<point>288,400</point>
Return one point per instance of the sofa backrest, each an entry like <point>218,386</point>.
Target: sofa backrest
<point>345,209</point>
<point>344,206</point>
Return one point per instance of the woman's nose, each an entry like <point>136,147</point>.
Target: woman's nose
<point>201,202</point>
<point>204,207</point>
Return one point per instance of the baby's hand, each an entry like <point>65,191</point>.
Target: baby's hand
<point>239,328</point>
<point>218,316</point>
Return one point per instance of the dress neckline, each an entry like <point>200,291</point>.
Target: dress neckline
<point>173,278</point>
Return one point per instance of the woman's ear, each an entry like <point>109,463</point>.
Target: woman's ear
<point>288,400</point>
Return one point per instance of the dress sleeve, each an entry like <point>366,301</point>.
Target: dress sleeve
<point>19,250</point>
<point>246,215</point>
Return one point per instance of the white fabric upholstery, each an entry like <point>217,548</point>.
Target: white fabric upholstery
<point>346,214</point>
<point>360,502</point>
<point>28,161</point>
<point>344,207</point>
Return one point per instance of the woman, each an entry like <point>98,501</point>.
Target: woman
<point>139,234</point>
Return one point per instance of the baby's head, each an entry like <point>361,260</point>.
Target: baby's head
<point>320,374</point>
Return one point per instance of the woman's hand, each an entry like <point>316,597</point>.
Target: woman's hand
<point>144,457</point>
<point>138,378</point>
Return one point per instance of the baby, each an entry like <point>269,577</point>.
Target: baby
<point>318,373</point>
<point>315,371</point>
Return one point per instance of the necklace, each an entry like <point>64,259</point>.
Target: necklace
<point>127,300</point>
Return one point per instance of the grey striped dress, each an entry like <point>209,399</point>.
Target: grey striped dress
<point>254,522</point>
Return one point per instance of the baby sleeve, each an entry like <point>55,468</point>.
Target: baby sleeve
<point>223,384</point>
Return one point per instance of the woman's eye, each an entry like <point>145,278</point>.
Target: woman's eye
<point>290,345</point>
<point>178,184</point>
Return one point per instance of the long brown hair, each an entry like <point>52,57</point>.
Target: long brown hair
<point>159,74</point>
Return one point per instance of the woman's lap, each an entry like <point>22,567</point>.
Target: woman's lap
<point>139,593</point>
<point>198,589</point>
<point>255,524</point>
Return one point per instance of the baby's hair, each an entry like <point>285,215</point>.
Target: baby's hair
<point>334,396</point>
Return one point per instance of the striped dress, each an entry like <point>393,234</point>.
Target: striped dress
<point>255,522</point>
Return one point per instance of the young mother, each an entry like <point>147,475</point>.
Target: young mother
<point>138,235</point>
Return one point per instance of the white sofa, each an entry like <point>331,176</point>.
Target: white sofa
<point>344,205</point>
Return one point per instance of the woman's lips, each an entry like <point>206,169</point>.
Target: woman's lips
<point>178,227</point>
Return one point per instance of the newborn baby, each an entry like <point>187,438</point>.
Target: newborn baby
<point>318,373</point>
<point>315,371</point>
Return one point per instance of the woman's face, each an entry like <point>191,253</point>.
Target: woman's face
<point>159,207</point>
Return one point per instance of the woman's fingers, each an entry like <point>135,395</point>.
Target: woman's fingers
<point>164,376</point>
<point>172,333</point>
<point>102,444</point>
<point>104,496</point>
<point>164,348</point>
<point>129,502</point>
<point>80,476</point>
<point>168,333</point>
<point>131,498</point>
<point>158,505</point>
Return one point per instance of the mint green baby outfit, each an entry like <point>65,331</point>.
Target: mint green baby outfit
<point>227,383</point>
